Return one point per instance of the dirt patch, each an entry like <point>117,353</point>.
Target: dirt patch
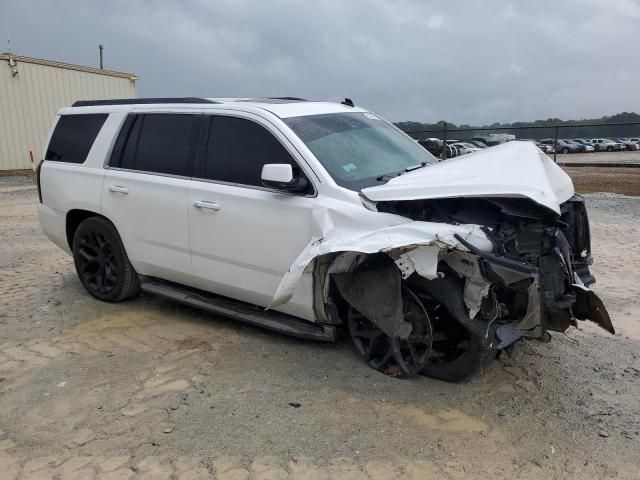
<point>446,420</point>
<point>625,181</point>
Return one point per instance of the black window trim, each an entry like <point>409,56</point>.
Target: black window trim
<point>198,171</point>
<point>197,160</point>
<point>124,132</point>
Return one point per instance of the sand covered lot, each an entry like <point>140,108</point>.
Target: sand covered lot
<point>151,389</point>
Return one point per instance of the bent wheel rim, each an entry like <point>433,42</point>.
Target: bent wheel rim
<point>396,357</point>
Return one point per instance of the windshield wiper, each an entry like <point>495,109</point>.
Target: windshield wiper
<point>388,176</point>
<point>416,167</point>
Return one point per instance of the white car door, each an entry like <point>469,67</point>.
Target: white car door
<point>243,236</point>
<point>145,191</point>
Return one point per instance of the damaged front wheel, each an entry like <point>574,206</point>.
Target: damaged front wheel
<point>398,357</point>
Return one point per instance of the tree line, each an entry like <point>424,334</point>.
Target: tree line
<point>542,128</point>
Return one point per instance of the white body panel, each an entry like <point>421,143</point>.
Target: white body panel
<point>243,248</point>
<point>152,221</point>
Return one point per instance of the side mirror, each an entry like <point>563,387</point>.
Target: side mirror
<point>280,176</point>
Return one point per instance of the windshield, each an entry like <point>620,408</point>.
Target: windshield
<point>359,148</point>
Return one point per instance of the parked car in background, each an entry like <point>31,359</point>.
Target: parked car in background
<point>482,140</point>
<point>435,147</point>
<point>544,147</point>
<point>628,144</point>
<point>493,139</point>
<point>498,138</point>
<point>465,148</point>
<point>478,143</point>
<point>561,146</point>
<point>606,145</point>
<point>582,147</point>
<point>635,140</point>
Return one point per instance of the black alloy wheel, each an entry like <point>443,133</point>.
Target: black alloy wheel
<point>395,357</point>
<point>96,263</point>
<point>101,261</point>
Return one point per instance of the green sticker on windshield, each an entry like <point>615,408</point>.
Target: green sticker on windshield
<point>349,167</point>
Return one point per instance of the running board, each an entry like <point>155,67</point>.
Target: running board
<point>247,313</point>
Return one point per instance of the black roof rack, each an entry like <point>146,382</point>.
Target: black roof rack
<point>140,101</point>
<point>289,98</point>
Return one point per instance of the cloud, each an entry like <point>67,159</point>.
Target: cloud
<point>468,62</point>
<point>434,22</point>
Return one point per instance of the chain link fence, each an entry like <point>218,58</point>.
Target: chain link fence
<point>596,144</point>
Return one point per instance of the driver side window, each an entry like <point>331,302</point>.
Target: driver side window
<point>237,149</point>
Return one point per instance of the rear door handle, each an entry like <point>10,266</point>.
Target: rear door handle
<point>117,189</point>
<point>205,204</point>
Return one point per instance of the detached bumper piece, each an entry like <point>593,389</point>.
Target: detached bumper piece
<point>588,306</point>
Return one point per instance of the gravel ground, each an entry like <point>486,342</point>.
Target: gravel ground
<point>150,389</point>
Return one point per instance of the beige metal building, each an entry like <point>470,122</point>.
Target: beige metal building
<point>31,92</point>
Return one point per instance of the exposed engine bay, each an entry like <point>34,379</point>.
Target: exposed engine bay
<point>534,281</point>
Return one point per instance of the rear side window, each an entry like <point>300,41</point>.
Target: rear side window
<point>73,137</point>
<point>158,143</point>
<point>238,148</point>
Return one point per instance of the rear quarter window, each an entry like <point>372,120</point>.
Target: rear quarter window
<point>73,137</point>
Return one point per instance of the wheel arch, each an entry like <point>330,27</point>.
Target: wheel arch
<point>73,220</point>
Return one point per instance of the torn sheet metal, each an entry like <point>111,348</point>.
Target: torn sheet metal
<point>334,234</point>
<point>476,287</point>
<point>422,260</point>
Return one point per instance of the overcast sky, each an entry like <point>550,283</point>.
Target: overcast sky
<point>467,61</point>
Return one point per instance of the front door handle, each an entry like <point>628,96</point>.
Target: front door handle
<point>117,189</point>
<point>205,204</point>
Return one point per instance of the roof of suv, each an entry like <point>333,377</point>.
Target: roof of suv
<point>290,107</point>
<point>282,107</point>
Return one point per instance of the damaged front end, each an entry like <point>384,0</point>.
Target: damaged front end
<point>534,279</point>
<point>536,275</point>
<point>472,267</point>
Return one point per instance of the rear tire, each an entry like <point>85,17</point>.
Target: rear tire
<point>101,261</point>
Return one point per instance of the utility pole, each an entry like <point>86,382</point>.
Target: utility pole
<point>101,65</point>
<point>555,145</point>
<point>444,142</point>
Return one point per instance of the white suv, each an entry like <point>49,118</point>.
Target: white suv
<point>305,216</point>
<point>605,144</point>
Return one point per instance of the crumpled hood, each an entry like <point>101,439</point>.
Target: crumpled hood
<point>512,170</point>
